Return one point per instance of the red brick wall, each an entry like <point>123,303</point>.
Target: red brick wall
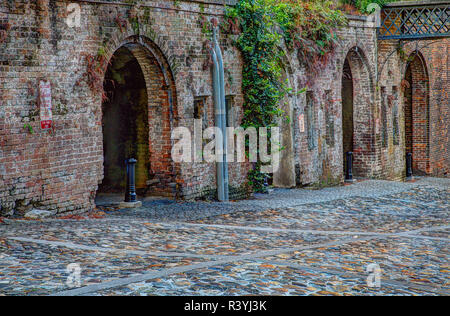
<point>420,124</point>
<point>62,170</point>
<point>420,70</point>
<point>323,165</point>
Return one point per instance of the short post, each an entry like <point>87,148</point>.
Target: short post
<point>349,170</point>
<point>409,172</point>
<point>130,196</point>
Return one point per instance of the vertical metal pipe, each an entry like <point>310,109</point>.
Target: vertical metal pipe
<point>218,120</point>
<point>223,113</point>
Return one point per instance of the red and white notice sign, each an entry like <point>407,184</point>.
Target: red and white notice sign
<point>45,104</point>
<point>301,123</point>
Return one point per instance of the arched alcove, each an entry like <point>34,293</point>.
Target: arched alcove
<point>138,117</point>
<point>357,112</point>
<point>416,111</point>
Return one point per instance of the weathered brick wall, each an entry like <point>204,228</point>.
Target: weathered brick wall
<point>392,156</point>
<point>378,72</point>
<point>319,153</point>
<point>427,116</point>
<point>62,169</point>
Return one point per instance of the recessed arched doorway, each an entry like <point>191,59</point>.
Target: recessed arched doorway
<point>139,114</point>
<point>416,111</point>
<point>125,122</point>
<point>347,112</point>
<point>357,113</point>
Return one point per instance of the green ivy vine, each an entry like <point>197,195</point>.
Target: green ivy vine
<point>263,27</point>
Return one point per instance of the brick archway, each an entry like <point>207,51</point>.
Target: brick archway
<point>358,125</point>
<point>417,113</point>
<point>161,115</point>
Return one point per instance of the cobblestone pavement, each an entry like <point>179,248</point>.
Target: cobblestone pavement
<point>290,242</point>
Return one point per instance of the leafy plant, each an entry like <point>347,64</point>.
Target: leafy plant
<point>257,180</point>
<point>259,44</point>
<point>95,71</point>
<point>262,28</point>
<point>133,17</point>
<point>28,127</point>
<point>121,22</point>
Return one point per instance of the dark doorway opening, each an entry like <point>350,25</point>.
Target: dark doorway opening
<point>408,111</point>
<point>125,123</point>
<point>347,112</point>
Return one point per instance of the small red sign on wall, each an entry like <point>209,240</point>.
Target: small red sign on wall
<point>301,123</point>
<point>45,104</point>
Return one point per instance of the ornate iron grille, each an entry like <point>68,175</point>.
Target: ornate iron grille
<point>418,20</point>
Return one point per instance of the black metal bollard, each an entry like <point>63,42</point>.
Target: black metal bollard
<point>409,171</point>
<point>130,196</point>
<point>349,171</point>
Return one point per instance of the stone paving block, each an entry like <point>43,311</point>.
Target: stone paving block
<point>170,238</point>
<point>320,248</point>
<point>257,278</point>
<point>413,261</point>
<point>31,269</point>
<point>353,214</point>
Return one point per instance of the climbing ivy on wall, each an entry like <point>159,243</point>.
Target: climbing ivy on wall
<point>263,26</point>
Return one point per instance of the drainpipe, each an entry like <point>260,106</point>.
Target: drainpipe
<point>218,119</point>
<point>223,112</point>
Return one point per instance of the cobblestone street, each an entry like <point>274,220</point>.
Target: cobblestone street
<point>290,242</point>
